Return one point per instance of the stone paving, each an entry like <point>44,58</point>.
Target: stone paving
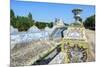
<point>58,59</point>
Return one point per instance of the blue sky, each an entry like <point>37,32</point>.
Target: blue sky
<point>49,11</point>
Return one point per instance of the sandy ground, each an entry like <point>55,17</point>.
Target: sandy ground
<point>90,34</point>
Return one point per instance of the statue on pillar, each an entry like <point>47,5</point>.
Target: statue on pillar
<point>74,43</point>
<point>77,17</point>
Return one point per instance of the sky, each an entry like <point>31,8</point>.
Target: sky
<point>47,12</point>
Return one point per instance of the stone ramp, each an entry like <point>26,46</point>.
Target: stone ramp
<point>29,53</point>
<point>59,59</point>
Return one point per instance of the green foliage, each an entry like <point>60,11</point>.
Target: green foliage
<point>30,16</point>
<point>42,25</point>
<point>50,25</point>
<point>13,19</point>
<point>90,22</point>
<point>66,24</point>
<point>80,19</point>
<point>21,22</point>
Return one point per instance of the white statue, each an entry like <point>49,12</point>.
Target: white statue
<point>58,22</point>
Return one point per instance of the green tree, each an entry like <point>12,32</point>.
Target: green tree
<point>80,19</point>
<point>13,19</point>
<point>23,23</point>
<point>50,25</point>
<point>90,22</point>
<point>31,22</point>
<point>30,16</point>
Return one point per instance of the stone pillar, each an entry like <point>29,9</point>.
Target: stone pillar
<point>76,13</point>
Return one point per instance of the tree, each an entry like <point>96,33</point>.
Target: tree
<point>50,25</point>
<point>12,18</point>
<point>30,19</point>
<point>90,22</point>
<point>12,13</point>
<point>66,24</point>
<point>23,23</point>
<point>80,19</point>
<point>42,25</point>
<point>30,16</point>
